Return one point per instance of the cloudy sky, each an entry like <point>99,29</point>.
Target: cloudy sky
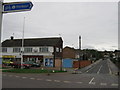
<point>96,22</point>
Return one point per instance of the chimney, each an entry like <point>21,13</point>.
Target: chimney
<point>12,37</point>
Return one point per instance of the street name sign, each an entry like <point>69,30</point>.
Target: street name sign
<point>17,6</point>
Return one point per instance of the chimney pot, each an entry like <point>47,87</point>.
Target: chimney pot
<point>12,37</point>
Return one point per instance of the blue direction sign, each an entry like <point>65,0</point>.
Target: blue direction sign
<point>17,6</point>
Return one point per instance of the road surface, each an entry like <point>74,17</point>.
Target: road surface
<point>102,74</point>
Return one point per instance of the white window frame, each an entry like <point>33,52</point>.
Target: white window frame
<point>57,49</point>
<point>4,49</point>
<point>16,50</point>
<point>43,49</point>
<point>28,50</point>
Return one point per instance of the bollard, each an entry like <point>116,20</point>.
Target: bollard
<point>53,71</point>
<point>75,71</point>
<point>48,74</point>
<point>42,69</point>
<point>64,69</point>
<point>118,73</point>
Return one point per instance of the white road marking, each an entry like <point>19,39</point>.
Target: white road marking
<point>39,79</point>
<point>32,78</point>
<point>4,75</point>
<point>24,77</point>
<point>17,76</point>
<point>10,75</point>
<point>104,84</point>
<point>114,84</point>
<point>99,69</point>
<point>48,80</point>
<point>57,80</point>
<point>110,72</point>
<point>66,81</point>
<point>91,81</point>
<point>79,82</point>
<point>90,69</point>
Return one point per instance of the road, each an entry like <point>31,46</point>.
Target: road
<point>100,75</point>
<point>102,68</point>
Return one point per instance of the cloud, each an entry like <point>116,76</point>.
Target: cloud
<point>89,47</point>
<point>95,22</point>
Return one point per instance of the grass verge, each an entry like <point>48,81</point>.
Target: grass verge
<point>31,71</point>
<point>4,67</point>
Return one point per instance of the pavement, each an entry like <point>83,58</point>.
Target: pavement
<point>113,67</point>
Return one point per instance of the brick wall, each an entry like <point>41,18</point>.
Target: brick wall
<point>83,63</point>
<point>68,53</point>
<point>57,62</point>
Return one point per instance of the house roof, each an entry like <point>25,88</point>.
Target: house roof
<point>55,41</point>
<point>117,51</point>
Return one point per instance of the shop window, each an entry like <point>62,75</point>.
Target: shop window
<point>4,49</point>
<point>16,50</point>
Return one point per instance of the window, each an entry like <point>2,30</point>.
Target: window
<point>27,50</point>
<point>16,49</point>
<point>43,49</point>
<point>60,49</point>
<point>57,49</point>
<point>4,49</point>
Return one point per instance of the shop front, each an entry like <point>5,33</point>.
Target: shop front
<point>48,62</point>
<point>34,58</point>
<point>8,57</point>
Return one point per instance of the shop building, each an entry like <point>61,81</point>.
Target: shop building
<point>46,51</point>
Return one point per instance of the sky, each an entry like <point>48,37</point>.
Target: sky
<point>95,22</point>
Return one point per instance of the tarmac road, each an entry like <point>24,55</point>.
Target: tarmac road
<point>100,75</point>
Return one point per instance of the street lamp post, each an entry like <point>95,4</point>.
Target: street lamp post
<point>22,49</point>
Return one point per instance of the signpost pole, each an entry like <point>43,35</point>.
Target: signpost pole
<point>1,14</point>
<point>15,7</point>
<point>1,9</point>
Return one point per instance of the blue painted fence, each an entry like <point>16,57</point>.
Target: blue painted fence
<point>67,63</point>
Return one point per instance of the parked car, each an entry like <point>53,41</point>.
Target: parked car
<point>7,62</point>
<point>18,65</point>
<point>32,64</point>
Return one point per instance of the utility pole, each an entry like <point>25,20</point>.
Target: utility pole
<point>79,50</point>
